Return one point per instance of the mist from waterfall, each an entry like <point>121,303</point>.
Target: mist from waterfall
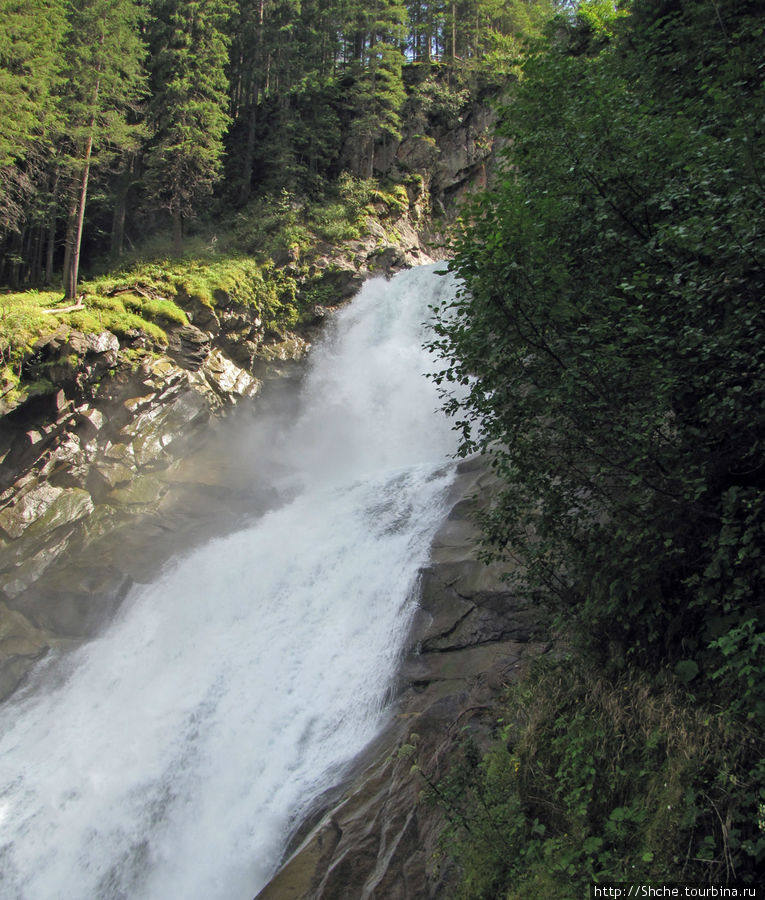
<point>173,755</point>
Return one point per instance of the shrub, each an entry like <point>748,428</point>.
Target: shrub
<point>599,780</point>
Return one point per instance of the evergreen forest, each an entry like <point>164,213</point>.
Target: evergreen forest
<point>122,118</point>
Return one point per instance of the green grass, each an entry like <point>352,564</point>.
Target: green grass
<point>149,296</point>
<point>22,322</point>
<point>260,259</point>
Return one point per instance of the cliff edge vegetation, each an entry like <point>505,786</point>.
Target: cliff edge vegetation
<point>610,341</point>
<point>277,261</point>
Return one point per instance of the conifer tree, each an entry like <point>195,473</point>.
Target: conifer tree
<point>247,78</point>
<point>379,90</point>
<point>29,71</point>
<point>188,106</point>
<point>104,82</point>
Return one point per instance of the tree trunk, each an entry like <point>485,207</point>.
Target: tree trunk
<point>117,242</point>
<point>370,160</point>
<point>51,242</point>
<point>249,150</point>
<point>27,244</point>
<point>37,255</point>
<point>50,249</point>
<point>71,272</point>
<point>71,224</point>
<point>454,31</point>
<point>359,39</point>
<point>72,275</point>
<point>16,251</point>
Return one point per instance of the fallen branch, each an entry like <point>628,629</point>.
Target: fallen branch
<point>65,309</point>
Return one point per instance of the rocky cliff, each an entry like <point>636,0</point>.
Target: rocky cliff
<point>377,835</point>
<point>90,472</point>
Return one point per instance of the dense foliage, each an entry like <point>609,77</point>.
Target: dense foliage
<point>118,118</point>
<point>604,779</point>
<point>610,338</point>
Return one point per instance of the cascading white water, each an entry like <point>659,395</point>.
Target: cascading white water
<point>173,755</point>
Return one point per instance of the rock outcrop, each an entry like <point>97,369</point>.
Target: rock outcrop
<point>105,448</point>
<point>377,835</point>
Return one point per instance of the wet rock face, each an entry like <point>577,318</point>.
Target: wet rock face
<point>189,347</point>
<point>465,152</point>
<point>451,159</point>
<point>377,837</point>
<point>75,468</point>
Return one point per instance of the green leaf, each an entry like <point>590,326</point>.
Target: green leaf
<point>686,670</point>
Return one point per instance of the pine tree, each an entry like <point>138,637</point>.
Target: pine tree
<point>188,106</point>
<point>29,72</point>
<point>247,78</point>
<point>105,81</point>
<point>379,89</point>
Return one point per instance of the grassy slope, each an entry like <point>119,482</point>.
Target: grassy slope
<point>598,778</point>
<point>151,291</point>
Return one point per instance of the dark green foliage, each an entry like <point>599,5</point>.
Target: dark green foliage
<point>298,139</point>
<point>376,90</point>
<point>473,32</point>
<point>593,780</point>
<point>28,72</point>
<point>188,108</point>
<point>610,333</point>
<point>29,75</point>
<point>104,82</point>
<point>609,339</point>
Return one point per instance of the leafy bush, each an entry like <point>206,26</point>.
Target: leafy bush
<point>594,780</point>
<point>609,340</point>
<point>438,101</point>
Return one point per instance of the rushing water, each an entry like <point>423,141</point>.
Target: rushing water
<point>172,756</point>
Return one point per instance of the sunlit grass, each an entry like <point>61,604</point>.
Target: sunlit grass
<point>258,260</point>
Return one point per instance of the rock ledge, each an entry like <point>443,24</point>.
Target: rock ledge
<point>375,836</point>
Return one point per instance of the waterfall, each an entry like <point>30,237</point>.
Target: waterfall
<point>172,756</point>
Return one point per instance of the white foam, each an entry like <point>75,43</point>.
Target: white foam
<point>188,739</point>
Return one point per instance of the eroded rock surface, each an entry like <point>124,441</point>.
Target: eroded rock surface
<point>93,490</point>
<point>377,836</point>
